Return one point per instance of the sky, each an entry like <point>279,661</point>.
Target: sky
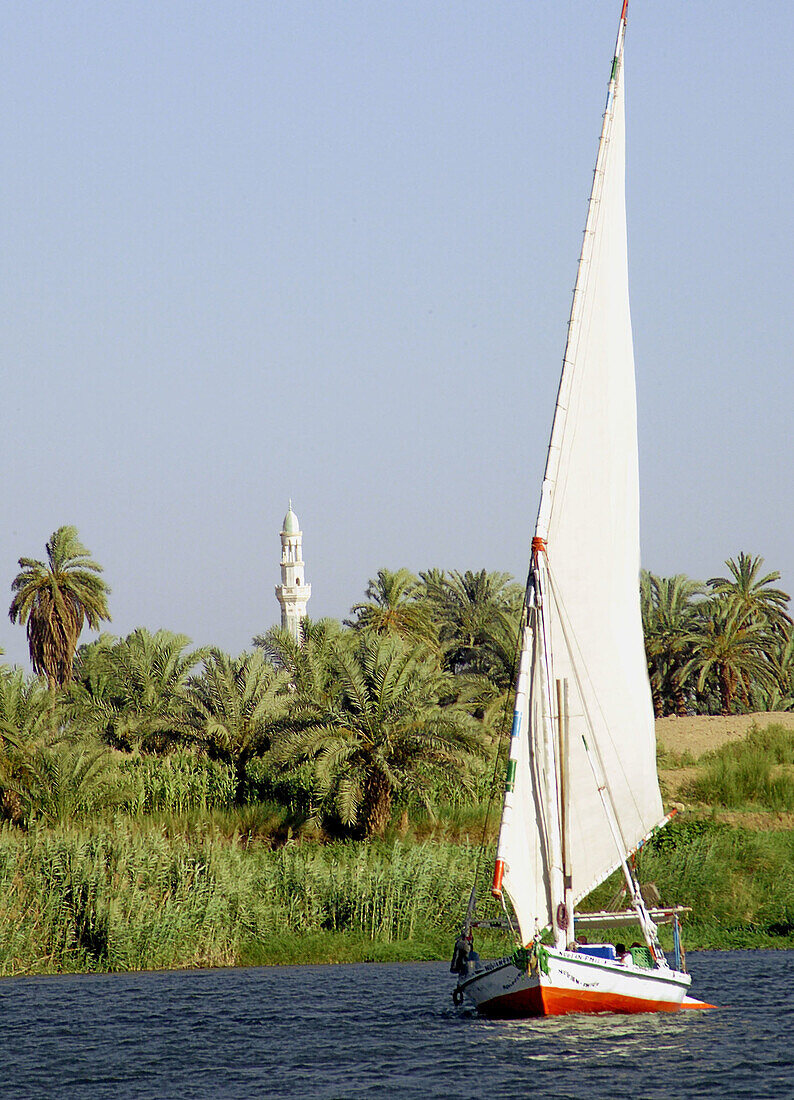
<point>324,250</point>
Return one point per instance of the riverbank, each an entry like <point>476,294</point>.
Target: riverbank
<point>143,893</point>
<point>101,900</point>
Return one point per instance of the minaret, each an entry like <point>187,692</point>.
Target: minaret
<point>293,593</point>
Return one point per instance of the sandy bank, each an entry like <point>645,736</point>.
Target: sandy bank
<point>703,733</point>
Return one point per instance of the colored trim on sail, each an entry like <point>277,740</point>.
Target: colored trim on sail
<point>510,781</point>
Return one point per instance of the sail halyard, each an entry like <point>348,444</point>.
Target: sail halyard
<point>587,531</point>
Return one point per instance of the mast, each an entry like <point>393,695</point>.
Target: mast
<point>561,898</point>
<point>565,806</point>
<point>576,330</point>
<point>585,552</point>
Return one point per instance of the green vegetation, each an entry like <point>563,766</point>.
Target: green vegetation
<point>757,773</point>
<point>96,899</point>
<point>165,806</point>
<point>387,732</point>
<point>718,648</point>
<point>125,898</point>
<point>738,882</point>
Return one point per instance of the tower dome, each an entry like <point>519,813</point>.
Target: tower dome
<point>291,525</point>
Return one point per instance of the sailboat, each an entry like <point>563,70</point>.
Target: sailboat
<point>582,793</point>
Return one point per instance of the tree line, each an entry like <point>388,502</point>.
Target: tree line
<point>395,707</point>
<point>719,647</point>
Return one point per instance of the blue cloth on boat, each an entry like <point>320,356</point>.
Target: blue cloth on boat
<point>598,950</point>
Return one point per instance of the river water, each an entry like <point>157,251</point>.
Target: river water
<point>385,1031</point>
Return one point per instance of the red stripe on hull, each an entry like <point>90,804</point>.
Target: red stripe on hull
<point>552,1001</point>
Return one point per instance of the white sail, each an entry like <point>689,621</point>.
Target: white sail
<point>528,839</point>
<point>589,582</point>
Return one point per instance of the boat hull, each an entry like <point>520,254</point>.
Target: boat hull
<point>572,983</point>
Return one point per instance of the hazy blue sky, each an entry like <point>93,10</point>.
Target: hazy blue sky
<point>325,250</point>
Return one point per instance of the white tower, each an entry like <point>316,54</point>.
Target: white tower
<point>293,593</point>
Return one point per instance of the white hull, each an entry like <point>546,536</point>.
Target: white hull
<point>574,983</point>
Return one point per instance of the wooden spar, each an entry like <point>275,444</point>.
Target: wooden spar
<point>603,919</point>
<point>565,810</point>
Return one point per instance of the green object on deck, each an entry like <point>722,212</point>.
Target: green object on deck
<point>527,958</point>
<point>521,958</point>
<point>543,958</point>
<point>641,956</point>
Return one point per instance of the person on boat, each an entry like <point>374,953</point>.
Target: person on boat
<point>623,954</point>
<point>462,954</point>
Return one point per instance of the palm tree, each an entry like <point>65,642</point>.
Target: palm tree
<point>94,682</point>
<point>233,707</point>
<point>731,648</point>
<point>781,661</point>
<point>56,598</point>
<point>670,614</point>
<point>48,780</point>
<point>308,662</point>
<point>386,732</point>
<point>70,779</point>
<point>653,646</point>
<point>393,607</point>
<point>132,692</point>
<point>25,711</point>
<point>25,720</point>
<point>477,616</point>
<point>752,595</point>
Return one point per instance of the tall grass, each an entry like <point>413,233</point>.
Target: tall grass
<point>130,898</point>
<point>755,772</point>
<point>178,783</point>
<point>126,900</point>
<point>736,880</point>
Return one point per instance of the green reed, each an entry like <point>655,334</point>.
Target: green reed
<point>124,899</point>
<point>181,782</point>
<point>754,772</point>
<point>130,896</point>
<point>731,877</point>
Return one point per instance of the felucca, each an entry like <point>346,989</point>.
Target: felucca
<point>582,793</point>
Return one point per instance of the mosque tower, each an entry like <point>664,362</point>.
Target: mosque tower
<point>293,593</point>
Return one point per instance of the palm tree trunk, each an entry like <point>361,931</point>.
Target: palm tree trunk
<point>240,778</point>
<point>679,696</point>
<point>726,689</point>
<point>377,805</point>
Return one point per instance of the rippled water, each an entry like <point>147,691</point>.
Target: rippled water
<point>384,1031</point>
